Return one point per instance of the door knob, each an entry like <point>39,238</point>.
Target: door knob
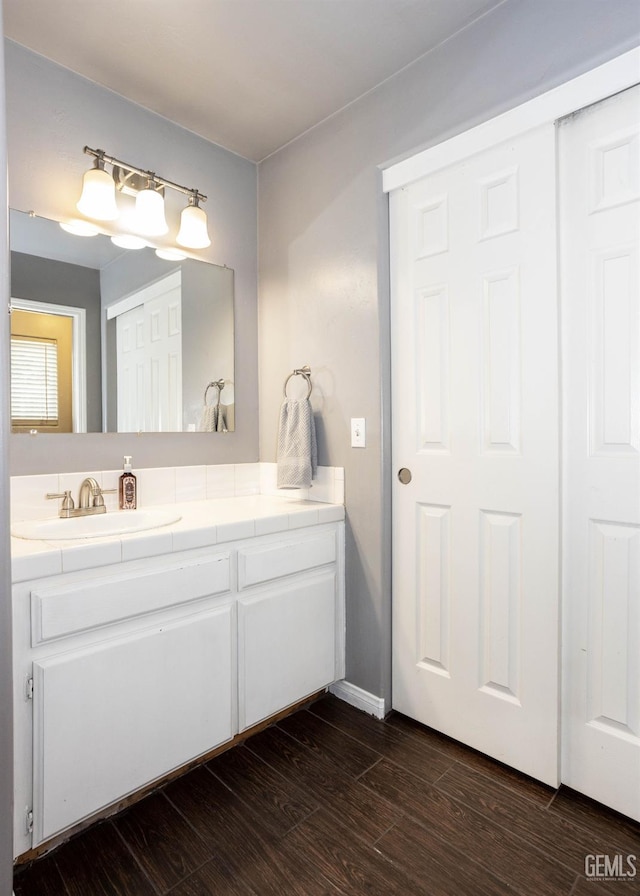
<point>404,475</point>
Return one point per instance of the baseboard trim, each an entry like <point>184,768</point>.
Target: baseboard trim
<point>361,699</point>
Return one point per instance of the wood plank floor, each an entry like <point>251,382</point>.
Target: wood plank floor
<point>331,801</point>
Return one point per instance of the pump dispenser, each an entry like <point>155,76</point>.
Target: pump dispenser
<point>128,487</point>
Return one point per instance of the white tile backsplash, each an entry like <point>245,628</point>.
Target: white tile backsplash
<point>73,481</point>
<point>247,479</point>
<point>28,497</point>
<point>191,483</point>
<point>156,485</point>
<point>327,487</point>
<point>268,479</point>
<point>221,481</point>
<point>338,486</point>
<point>322,486</point>
<point>166,485</point>
<point>110,481</point>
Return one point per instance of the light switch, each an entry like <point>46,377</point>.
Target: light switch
<point>358,432</point>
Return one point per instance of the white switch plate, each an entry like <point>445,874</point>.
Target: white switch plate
<point>358,432</point>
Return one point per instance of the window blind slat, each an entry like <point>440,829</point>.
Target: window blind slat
<point>34,380</point>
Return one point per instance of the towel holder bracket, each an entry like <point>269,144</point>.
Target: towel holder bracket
<point>300,371</point>
<point>218,384</point>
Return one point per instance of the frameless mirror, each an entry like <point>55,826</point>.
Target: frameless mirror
<point>105,339</point>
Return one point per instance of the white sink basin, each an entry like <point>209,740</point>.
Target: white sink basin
<point>119,522</point>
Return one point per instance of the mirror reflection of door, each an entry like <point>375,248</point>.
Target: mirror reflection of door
<point>41,372</point>
<point>149,358</point>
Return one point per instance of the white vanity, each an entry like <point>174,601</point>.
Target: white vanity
<point>136,654</point>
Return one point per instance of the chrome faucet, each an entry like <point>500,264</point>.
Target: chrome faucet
<point>90,496</point>
<point>90,499</point>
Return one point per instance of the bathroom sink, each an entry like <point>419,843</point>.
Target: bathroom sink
<point>120,522</point>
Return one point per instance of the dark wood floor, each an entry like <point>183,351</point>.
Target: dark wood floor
<point>330,801</point>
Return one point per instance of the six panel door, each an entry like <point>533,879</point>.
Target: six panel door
<point>475,419</point>
<point>600,233</point>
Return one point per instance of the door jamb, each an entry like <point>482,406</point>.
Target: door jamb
<point>78,353</point>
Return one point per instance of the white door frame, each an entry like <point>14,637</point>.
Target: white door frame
<point>598,84</point>
<point>78,353</point>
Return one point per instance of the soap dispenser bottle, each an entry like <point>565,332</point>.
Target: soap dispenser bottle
<point>128,487</point>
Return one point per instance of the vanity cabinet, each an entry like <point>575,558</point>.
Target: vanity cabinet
<point>128,672</point>
<point>286,627</point>
<point>111,717</point>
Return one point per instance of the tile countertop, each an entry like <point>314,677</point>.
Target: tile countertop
<point>202,523</point>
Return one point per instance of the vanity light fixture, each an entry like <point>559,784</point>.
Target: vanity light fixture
<point>98,199</point>
<point>171,254</point>
<point>193,226</point>
<point>149,214</point>
<point>128,241</point>
<point>99,203</point>
<point>79,228</point>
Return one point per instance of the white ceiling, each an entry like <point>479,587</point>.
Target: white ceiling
<point>249,75</point>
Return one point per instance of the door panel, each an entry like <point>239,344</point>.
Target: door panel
<point>149,360</point>
<point>600,229</point>
<point>286,645</point>
<point>108,707</point>
<point>475,418</point>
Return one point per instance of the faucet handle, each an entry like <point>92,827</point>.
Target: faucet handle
<point>67,500</point>
<point>98,499</point>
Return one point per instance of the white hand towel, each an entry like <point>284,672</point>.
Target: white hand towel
<point>297,448</point>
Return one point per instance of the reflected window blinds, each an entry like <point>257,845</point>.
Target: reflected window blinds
<point>34,381</point>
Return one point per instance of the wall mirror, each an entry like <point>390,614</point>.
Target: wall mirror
<point>105,339</point>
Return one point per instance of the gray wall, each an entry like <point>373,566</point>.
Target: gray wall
<point>45,280</point>
<point>51,115</point>
<point>6,686</point>
<point>323,280</point>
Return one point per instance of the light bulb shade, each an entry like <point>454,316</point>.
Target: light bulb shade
<point>79,228</point>
<point>128,241</point>
<point>149,215</point>
<point>98,199</point>
<point>193,228</point>
<point>170,254</point>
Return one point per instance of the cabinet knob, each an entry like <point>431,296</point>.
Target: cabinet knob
<point>404,475</point>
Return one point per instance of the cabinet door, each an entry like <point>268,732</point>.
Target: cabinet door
<point>286,645</point>
<point>110,718</point>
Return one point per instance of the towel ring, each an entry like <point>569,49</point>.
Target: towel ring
<point>301,371</point>
<point>219,385</point>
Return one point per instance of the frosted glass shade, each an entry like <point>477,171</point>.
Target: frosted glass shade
<point>79,228</point>
<point>193,228</point>
<point>149,215</point>
<point>98,199</point>
<point>170,254</point>
<point>128,241</point>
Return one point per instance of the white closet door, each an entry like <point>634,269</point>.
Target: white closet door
<point>475,419</point>
<point>600,215</point>
<point>130,348</point>
<point>149,362</point>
